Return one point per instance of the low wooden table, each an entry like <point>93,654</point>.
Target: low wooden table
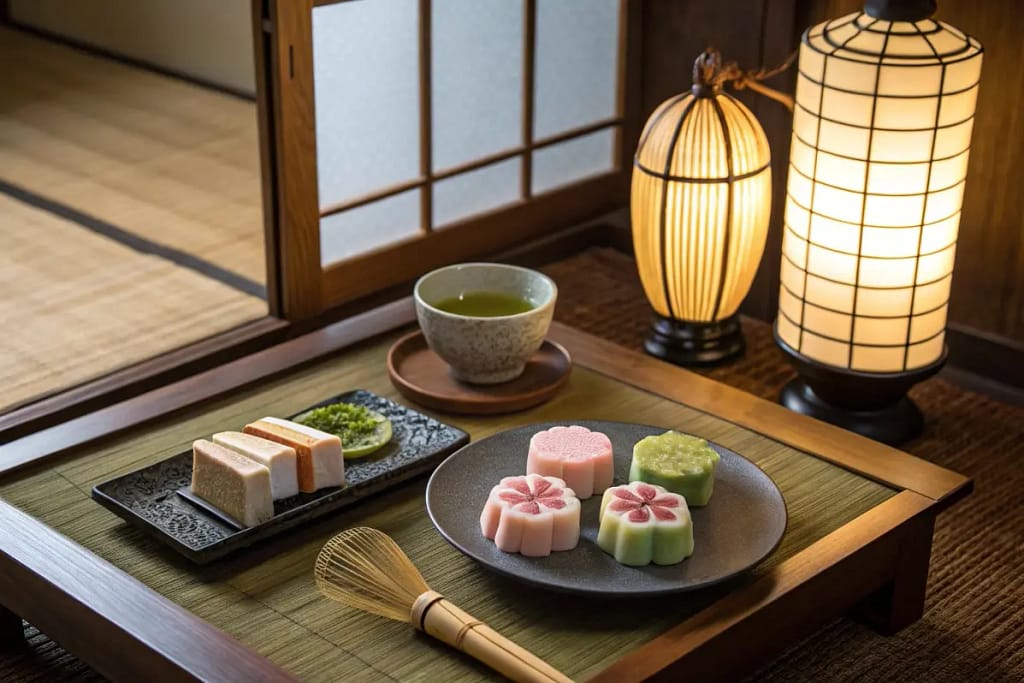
<point>859,537</point>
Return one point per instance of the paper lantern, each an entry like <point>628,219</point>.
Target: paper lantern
<point>700,203</point>
<point>881,133</point>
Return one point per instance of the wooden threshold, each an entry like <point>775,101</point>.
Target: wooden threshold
<point>141,377</point>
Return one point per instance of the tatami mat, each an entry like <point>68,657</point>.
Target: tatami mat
<point>172,162</point>
<point>130,215</point>
<point>75,305</point>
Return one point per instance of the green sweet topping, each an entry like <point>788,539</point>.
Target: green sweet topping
<point>681,463</point>
<point>361,430</point>
<point>674,455</point>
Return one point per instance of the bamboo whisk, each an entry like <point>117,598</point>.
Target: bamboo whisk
<point>366,570</point>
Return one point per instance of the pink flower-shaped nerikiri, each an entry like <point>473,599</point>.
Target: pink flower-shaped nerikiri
<point>532,515</point>
<point>579,456</point>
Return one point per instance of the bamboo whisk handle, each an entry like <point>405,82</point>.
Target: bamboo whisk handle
<point>437,617</point>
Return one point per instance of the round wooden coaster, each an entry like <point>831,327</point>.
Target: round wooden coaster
<point>420,375</point>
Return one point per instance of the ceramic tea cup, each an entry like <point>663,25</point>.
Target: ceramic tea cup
<point>485,349</point>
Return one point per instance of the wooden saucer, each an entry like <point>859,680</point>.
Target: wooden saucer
<point>420,375</point>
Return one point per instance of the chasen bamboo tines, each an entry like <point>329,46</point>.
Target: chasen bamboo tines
<point>366,570</point>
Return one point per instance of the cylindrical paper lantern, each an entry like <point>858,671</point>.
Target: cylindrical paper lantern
<point>881,133</point>
<point>701,200</point>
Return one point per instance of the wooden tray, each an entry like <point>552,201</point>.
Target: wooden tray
<point>149,497</point>
<point>421,376</point>
<point>859,538</point>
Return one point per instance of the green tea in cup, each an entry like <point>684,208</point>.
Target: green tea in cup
<point>485,320</point>
<point>484,304</point>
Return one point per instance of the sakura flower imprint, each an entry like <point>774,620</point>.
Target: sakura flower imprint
<point>532,515</point>
<point>642,523</point>
<point>579,456</point>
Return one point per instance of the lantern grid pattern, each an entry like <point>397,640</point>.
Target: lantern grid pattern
<point>881,134</point>
<point>701,197</point>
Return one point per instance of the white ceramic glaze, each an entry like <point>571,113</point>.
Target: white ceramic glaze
<point>485,350</point>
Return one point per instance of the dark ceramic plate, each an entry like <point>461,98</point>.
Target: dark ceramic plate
<point>148,497</point>
<point>741,524</point>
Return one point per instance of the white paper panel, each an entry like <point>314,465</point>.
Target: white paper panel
<point>477,79</point>
<point>365,72</point>
<point>569,161</point>
<point>469,193</point>
<point>359,230</point>
<point>577,53</point>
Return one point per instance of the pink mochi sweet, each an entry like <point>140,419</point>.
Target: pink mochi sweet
<point>575,454</point>
<point>532,515</point>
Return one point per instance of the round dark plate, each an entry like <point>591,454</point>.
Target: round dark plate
<point>741,524</point>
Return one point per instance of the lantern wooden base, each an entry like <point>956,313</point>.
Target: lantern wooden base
<point>894,424</point>
<point>874,405</point>
<point>689,343</point>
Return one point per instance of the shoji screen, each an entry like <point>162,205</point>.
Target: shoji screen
<point>448,129</point>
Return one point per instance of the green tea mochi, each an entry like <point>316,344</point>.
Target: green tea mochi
<point>641,524</point>
<point>681,463</point>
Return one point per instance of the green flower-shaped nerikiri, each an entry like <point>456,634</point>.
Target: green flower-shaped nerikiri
<point>681,463</point>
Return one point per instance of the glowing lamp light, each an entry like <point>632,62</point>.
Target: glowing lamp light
<point>700,205</point>
<point>881,134</point>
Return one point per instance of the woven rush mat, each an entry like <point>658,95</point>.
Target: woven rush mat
<point>172,162</point>
<point>973,628</point>
<point>75,306</point>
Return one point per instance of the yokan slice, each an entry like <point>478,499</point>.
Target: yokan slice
<point>232,482</point>
<point>532,515</point>
<point>642,523</point>
<point>681,463</point>
<point>582,458</point>
<point>319,458</point>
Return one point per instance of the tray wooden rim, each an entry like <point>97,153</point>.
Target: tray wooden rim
<point>64,601</point>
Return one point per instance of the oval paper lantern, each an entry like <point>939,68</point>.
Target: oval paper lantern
<point>700,204</point>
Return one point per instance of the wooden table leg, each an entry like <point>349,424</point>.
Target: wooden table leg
<point>900,602</point>
<point>12,629</point>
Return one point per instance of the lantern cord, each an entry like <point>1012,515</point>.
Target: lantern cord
<point>707,66</point>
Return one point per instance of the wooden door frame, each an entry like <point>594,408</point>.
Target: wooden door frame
<point>288,135</point>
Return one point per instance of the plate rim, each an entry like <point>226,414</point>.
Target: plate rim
<point>619,594</point>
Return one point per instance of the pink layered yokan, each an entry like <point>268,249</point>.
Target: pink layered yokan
<point>575,454</point>
<point>532,515</point>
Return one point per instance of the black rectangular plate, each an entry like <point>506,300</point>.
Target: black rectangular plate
<point>148,497</point>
